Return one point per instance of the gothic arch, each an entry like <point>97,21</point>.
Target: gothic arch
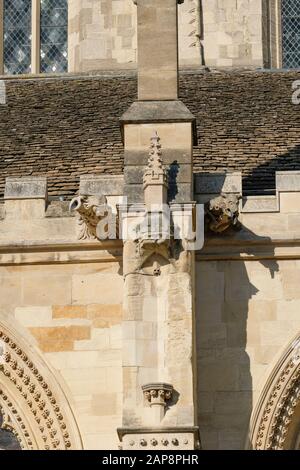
<point>32,402</point>
<point>276,418</point>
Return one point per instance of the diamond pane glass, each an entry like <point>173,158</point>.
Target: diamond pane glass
<point>54,36</point>
<point>291,33</point>
<point>17,36</point>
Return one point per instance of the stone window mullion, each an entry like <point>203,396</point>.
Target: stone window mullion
<point>1,39</point>
<point>272,42</point>
<point>278,34</point>
<point>35,42</point>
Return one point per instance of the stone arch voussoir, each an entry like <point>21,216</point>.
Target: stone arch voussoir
<point>276,407</point>
<point>32,402</point>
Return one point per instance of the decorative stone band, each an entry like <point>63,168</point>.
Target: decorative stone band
<point>178,1</point>
<point>157,393</point>
<point>159,438</point>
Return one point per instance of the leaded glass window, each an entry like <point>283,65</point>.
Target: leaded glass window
<point>54,36</point>
<point>290,33</point>
<point>17,36</point>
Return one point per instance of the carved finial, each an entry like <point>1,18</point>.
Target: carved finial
<point>155,172</point>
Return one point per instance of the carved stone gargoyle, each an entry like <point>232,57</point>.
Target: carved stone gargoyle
<point>90,211</point>
<point>222,213</point>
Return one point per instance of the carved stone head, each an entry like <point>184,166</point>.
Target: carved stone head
<point>222,213</point>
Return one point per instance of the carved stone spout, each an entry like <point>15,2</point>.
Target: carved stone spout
<point>90,210</point>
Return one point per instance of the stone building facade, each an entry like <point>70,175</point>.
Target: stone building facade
<point>90,35</point>
<point>154,341</point>
<point>215,33</point>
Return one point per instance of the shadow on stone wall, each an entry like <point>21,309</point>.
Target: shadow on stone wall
<point>224,338</point>
<point>173,171</point>
<point>289,161</point>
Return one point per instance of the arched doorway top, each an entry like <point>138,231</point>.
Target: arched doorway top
<point>273,416</point>
<point>32,402</point>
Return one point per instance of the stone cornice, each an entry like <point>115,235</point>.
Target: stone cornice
<point>161,430</point>
<point>178,1</point>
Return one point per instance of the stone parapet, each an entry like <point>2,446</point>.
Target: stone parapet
<point>209,185</point>
<point>104,185</point>
<point>26,188</point>
<point>25,198</point>
<point>288,181</point>
<point>26,201</point>
<point>287,197</point>
<point>91,141</point>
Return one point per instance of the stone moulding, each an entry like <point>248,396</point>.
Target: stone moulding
<point>160,438</point>
<point>178,1</point>
<point>275,409</point>
<point>33,405</point>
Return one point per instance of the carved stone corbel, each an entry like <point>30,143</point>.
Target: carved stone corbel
<point>157,396</point>
<point>157,393</point>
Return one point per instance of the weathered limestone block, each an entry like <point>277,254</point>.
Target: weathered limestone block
<point>157,31</point>
<point>102,35</point>
<point>101,185</point>
<point>232,33</point>
<point>26,188</point>
<point>25,198</point>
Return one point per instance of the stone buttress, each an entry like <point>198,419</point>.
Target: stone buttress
<point>158,369</point>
